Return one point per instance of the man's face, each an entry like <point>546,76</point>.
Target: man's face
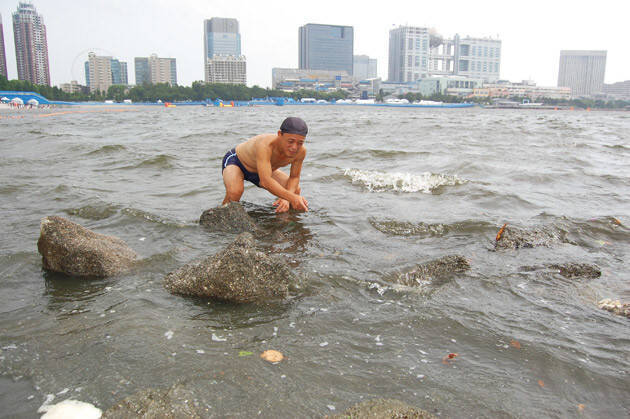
<point>291,143</point>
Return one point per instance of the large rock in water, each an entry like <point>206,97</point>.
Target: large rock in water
<point>72,249</point>
<point>515,238</point>
<point>384,409</point>
<point>238,273</point>
<point>433,269</point>
<point>230,218</point>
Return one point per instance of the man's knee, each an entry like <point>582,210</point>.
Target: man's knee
<point>235,192</point>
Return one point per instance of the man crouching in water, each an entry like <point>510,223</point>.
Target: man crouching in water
<point>258,160</point>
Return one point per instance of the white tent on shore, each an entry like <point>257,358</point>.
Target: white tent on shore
<point>5,99</point>
<point>33,102</point>
<point>17,101</point>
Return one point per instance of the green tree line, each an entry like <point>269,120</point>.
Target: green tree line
<point>199,91</point>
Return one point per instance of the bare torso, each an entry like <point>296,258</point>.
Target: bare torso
<point>246,153</point>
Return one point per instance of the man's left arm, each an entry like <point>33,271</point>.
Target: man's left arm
<point>293,184</point>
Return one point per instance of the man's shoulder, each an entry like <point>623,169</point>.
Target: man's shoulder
<point>264,139</point>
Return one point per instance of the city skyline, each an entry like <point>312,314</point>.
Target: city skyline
<point>532,37</point>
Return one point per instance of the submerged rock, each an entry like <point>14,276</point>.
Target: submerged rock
<point>72,249</point>
<point>515,238</point>
<point>616,307</point>
<point>384,409</point>
<point>239,273</point>
<point>230,218</point>
<point>568,270</point>
<point>176,402</point>
<point>435,268</point>
<point>577,270</point>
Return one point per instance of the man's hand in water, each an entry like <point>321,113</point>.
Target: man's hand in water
<point>300,204</point>
<point>282,204</point>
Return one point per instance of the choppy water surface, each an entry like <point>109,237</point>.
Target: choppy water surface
<point>389,189</point>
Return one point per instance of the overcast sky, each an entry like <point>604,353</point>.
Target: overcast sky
<point>532,32</point>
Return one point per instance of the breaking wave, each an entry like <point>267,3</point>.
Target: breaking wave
<point>375,181</point>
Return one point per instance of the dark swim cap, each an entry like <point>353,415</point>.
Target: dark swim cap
<point>294,125</point>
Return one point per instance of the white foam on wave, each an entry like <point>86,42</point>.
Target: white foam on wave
<point>70,409</point>
<point>376,181</point>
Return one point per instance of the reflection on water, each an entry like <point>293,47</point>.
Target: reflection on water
<point>384,200</point>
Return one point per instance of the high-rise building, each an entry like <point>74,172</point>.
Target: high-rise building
<point>416,53</point>
<point>119,72</point>
<point>143,73</point>
<point>31,46</point>
<point>364,67</point>
<point>3,55</point>
<point>221,37</point>
<point>582,71</point>
<point>408,54</point>
<point>223,61</point>
<point>102,72</point>
<point>155,70</point>
<point>326,47</point>
<point>472,57</point>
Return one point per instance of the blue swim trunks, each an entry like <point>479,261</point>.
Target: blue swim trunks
<point>231,158</point>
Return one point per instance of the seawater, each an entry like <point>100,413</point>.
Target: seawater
<point>388,189</point>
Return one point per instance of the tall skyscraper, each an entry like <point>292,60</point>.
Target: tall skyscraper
<point>408,54</point>
<point>155,70</point>
<point>582,71</point>
<point>364,67</point>
<point>102,72</point>
<point>326,47</point>
<point>3,55</point>
<point>221,37</point>
<point>31,46</point>
<point>223,61</point>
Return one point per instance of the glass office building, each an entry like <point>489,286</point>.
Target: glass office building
<point>141,67</point>
<point>326,47</point>
<point>221,37</point>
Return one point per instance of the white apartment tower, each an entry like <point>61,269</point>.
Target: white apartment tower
<point>408,53</point>
<point>416,52</point>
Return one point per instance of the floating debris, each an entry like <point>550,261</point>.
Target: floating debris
<point>272,356</point>
<point>448,358</point>
<point>501,232</point>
